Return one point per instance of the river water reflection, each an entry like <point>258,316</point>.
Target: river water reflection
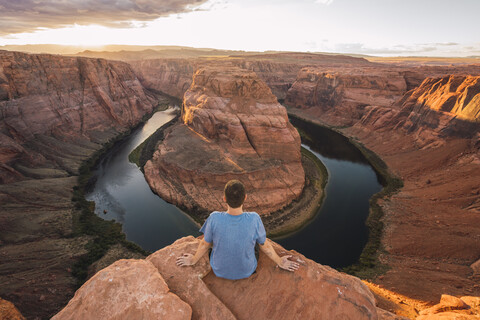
<point>335,237</point>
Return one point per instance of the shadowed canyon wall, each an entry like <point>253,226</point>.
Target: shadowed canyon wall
<point>55,112</point>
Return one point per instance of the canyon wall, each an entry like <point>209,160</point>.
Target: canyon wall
<point>232,128</point>
<point>343,94</point>
<point>430,139</point>
<point>53,109</point>
<point>173,76</point>
<point>55,112</point>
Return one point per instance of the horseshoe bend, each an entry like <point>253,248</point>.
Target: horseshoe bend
<point>418,124</point>
<point>232,127</point>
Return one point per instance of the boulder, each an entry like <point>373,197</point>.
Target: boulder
<point>127,289</point>
<point>312,292</point>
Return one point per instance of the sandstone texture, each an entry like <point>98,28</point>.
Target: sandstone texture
<point>232,128</point>
<point>127,289</point>
<point>8,311</point>
<point>429,138</point>
<point>464,308</point>
<point>449,106</point>
<point>55,109</point>
<point>344,93</point>
<point>173,76</point>
<point>312,292</point>
<point>55,112</point>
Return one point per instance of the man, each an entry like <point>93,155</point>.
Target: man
<point>232,235</point>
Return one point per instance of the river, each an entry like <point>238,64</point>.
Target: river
<point>335,237</point>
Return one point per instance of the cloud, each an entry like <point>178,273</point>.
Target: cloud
<point>394,50</point>
<point>325,2</point>
<point>29,15</point>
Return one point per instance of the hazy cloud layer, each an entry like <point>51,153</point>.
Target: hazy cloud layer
<point>418,49</point>
<point>27,15</point>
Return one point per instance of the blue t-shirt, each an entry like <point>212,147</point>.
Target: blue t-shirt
<point>234,238</point>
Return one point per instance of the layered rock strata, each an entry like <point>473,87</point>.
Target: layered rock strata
<point>127,289</point>
<point>279,71</point>
<point>232,128</point>
<point>55,112</point>
<point>312,292</point>
<point>343,94</point>
<point>55,109</point>
<point>430,139</point>
<point>440,108</point>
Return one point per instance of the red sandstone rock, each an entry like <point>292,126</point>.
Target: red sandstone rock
<point>343,93</point>
<point>8,311</point>
<point>72,100</point>
<point>278,70</point>
<point>127,289</point>
<point>312,292</point>
<point>233,128</point>
<point>135,289</point>
<point>447,106</point>
<point>466,308</point>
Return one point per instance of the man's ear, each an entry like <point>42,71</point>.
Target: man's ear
<point>224,198</point>
<point>245,198</point>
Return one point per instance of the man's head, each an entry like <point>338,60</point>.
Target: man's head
<point>234,193</point>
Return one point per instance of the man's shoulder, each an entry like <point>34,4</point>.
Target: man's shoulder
<point>252,214</point>
<point>215,214</point>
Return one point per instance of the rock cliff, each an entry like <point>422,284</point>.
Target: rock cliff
<point>138,289</point>
<point>429,138</point>
<point>344,93</point>
<point>55,112</point>
<point>53,109</point>
<point>279,70</point>
<point>439,108</point>
<point>232,127</point>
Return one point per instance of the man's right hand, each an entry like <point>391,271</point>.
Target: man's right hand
<point>185,260</point>
<point>287,264</point>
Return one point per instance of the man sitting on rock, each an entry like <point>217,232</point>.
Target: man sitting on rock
<point>232,235</point>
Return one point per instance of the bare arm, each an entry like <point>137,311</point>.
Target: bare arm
<point>282,262</point>
<point>188,259</point>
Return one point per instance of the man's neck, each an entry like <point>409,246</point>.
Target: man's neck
<point>235,211</point>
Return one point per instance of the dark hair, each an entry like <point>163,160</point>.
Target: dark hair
<point>234,193</point>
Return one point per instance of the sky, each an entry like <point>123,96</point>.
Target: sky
<point>373,27</point>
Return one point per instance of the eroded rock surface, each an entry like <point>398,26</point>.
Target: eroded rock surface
<point>232,128</point>
<point>344,93</point>
<point>8,311</point>
<point>312,292</point>
<point>464,308</point>
<point>127,289</point>
<point>55,112</point>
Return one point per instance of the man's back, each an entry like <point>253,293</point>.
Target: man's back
<point>233,238</point>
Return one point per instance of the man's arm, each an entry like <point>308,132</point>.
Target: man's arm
<point>188,259</point>
<point>282,262</point>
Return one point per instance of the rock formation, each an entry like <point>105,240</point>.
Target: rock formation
<point>232,127</point>
<point>124,290</point>
<point>439,108</point>
<point>448,106</point>
<point>279,70</point>
<point>8,311</point>
<point>127,289</point>
<point>55,112</point>
<point>54,109</point>
<point>432,223</point>
<point>344,93</point>
<point>464,308</point>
